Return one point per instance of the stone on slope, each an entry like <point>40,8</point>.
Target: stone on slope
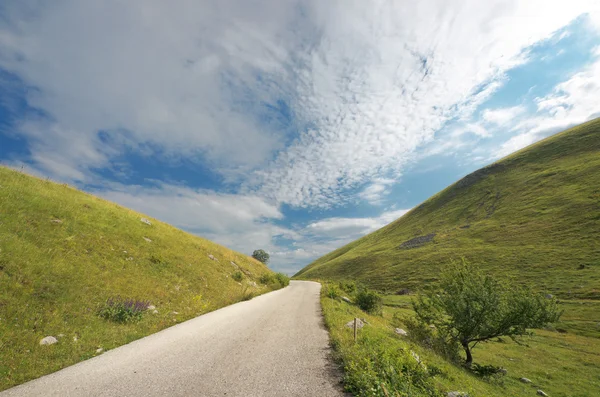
<point>146,221</point>
<point>346,299</point>
<point>48,340</point>
<point>400,331</point>
<point>359,323</point>
<point>525,380</point>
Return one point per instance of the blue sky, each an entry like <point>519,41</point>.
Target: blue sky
<point>292,126</point>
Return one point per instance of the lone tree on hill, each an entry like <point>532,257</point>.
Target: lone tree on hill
<point>472,307</point>
<point>261,255</point>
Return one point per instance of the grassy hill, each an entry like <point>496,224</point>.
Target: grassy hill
<point>64,253</point>
<point>533,216</point>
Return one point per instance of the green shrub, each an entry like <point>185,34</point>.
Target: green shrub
<point>347,286</point>
<point>122,310</point>
<point>282,279</point>
<point>267,279</point>
<point>331,291</point>
<point>237,276</point>
<point>369,301</point>
<point>429,337</point>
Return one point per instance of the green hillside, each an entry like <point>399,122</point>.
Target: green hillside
<point>63,253</point>
<point>533,216</point>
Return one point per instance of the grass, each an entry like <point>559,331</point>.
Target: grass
<point>561,364</point>
<point>533,216</point>
<point>64,254</point>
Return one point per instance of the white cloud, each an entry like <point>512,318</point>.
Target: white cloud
<point>351,228</point>
<point>367,84</point>
<point>502,116</point>
<point>375,191</point>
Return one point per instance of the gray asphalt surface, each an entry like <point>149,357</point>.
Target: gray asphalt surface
<point>273,345</point>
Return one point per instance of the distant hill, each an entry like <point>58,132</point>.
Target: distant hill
<point>63,253</point>
<point>533,216</point>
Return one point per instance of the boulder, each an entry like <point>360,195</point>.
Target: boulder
<point>549,296</point>
<point>147,239</point>
<point>146,221</point>
<point>99,350</point>
<point>541,393</point>
<point>525,380</point>
<point>210,256</point>
<point>359,323</point>
<point>400,331</point>
<point>346,299</point>
<point>457,394</point>
<point>151,307</point>
<point>503,371</point>
<point>48,340</point>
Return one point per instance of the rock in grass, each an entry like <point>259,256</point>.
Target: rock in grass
<point>400,331</point>
<point>525,380</point>
<point>541,393</point>
<point>211,257</point>
<point>346,299</point>
<point>147,239</point>
<point>99,350</point>
<point>359,324</point>
<point>146,221</point>
<point>48,340</point>
<point>457,394</point>
<point>151,307</point>
<point>503,371</point>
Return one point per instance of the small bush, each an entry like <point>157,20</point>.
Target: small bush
<point>486,371</point>
<point>331,291</point>
<point>237,276</point>
<point>266,279</point>
<point>369,301</point>
<point>347,286</point>
<point>431,338</point>
<point>282,279</point>
<point>122,310</point>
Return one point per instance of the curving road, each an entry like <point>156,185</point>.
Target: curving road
<point>273,345</point>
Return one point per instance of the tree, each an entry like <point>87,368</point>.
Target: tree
<point>261,255</point>
<point>473,307</point>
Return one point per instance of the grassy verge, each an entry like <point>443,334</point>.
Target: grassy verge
<point>80,269</point>
<point>383,363</point>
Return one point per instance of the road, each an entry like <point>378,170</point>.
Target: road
<point>272,345</point>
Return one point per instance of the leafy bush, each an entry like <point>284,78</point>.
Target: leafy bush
<point>331,291</point>
<point>237,276</point>
<point>274,279</point>
<point>369,301</point>
<point>348,286</point>
<point>283,280</point>
<point>122,310</point>
<point>267,279</point>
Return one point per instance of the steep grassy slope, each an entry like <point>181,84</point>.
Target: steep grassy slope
<point>534,215</point>
<point>63,253</point>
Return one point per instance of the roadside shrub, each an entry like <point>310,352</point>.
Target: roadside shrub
<point>331,291</point>
<point>369,301</point>
<point>266,279</point>
<point>237,276</point>
<point>122,310</point>
<point>348,286</point>
<point>283,280</point>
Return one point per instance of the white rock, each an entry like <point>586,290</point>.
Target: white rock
<point>146,221</point>
<point>75,339</point>
<point>151,307</point>
<point>457,394</point>
<point>525,380</point>
<point>48,340</point>
<point>154,311</point>
<point>147,239</point>
<point>541,393</point>
<point>175,312</point>
<point>210,256</point>
<point>400,331</point>
<point>359,324</point>
<point>99,350</point>
<point>346,299</point>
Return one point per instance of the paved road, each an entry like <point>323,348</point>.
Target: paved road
<point>273,345</point>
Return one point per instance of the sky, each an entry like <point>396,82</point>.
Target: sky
<point>290,126</point>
